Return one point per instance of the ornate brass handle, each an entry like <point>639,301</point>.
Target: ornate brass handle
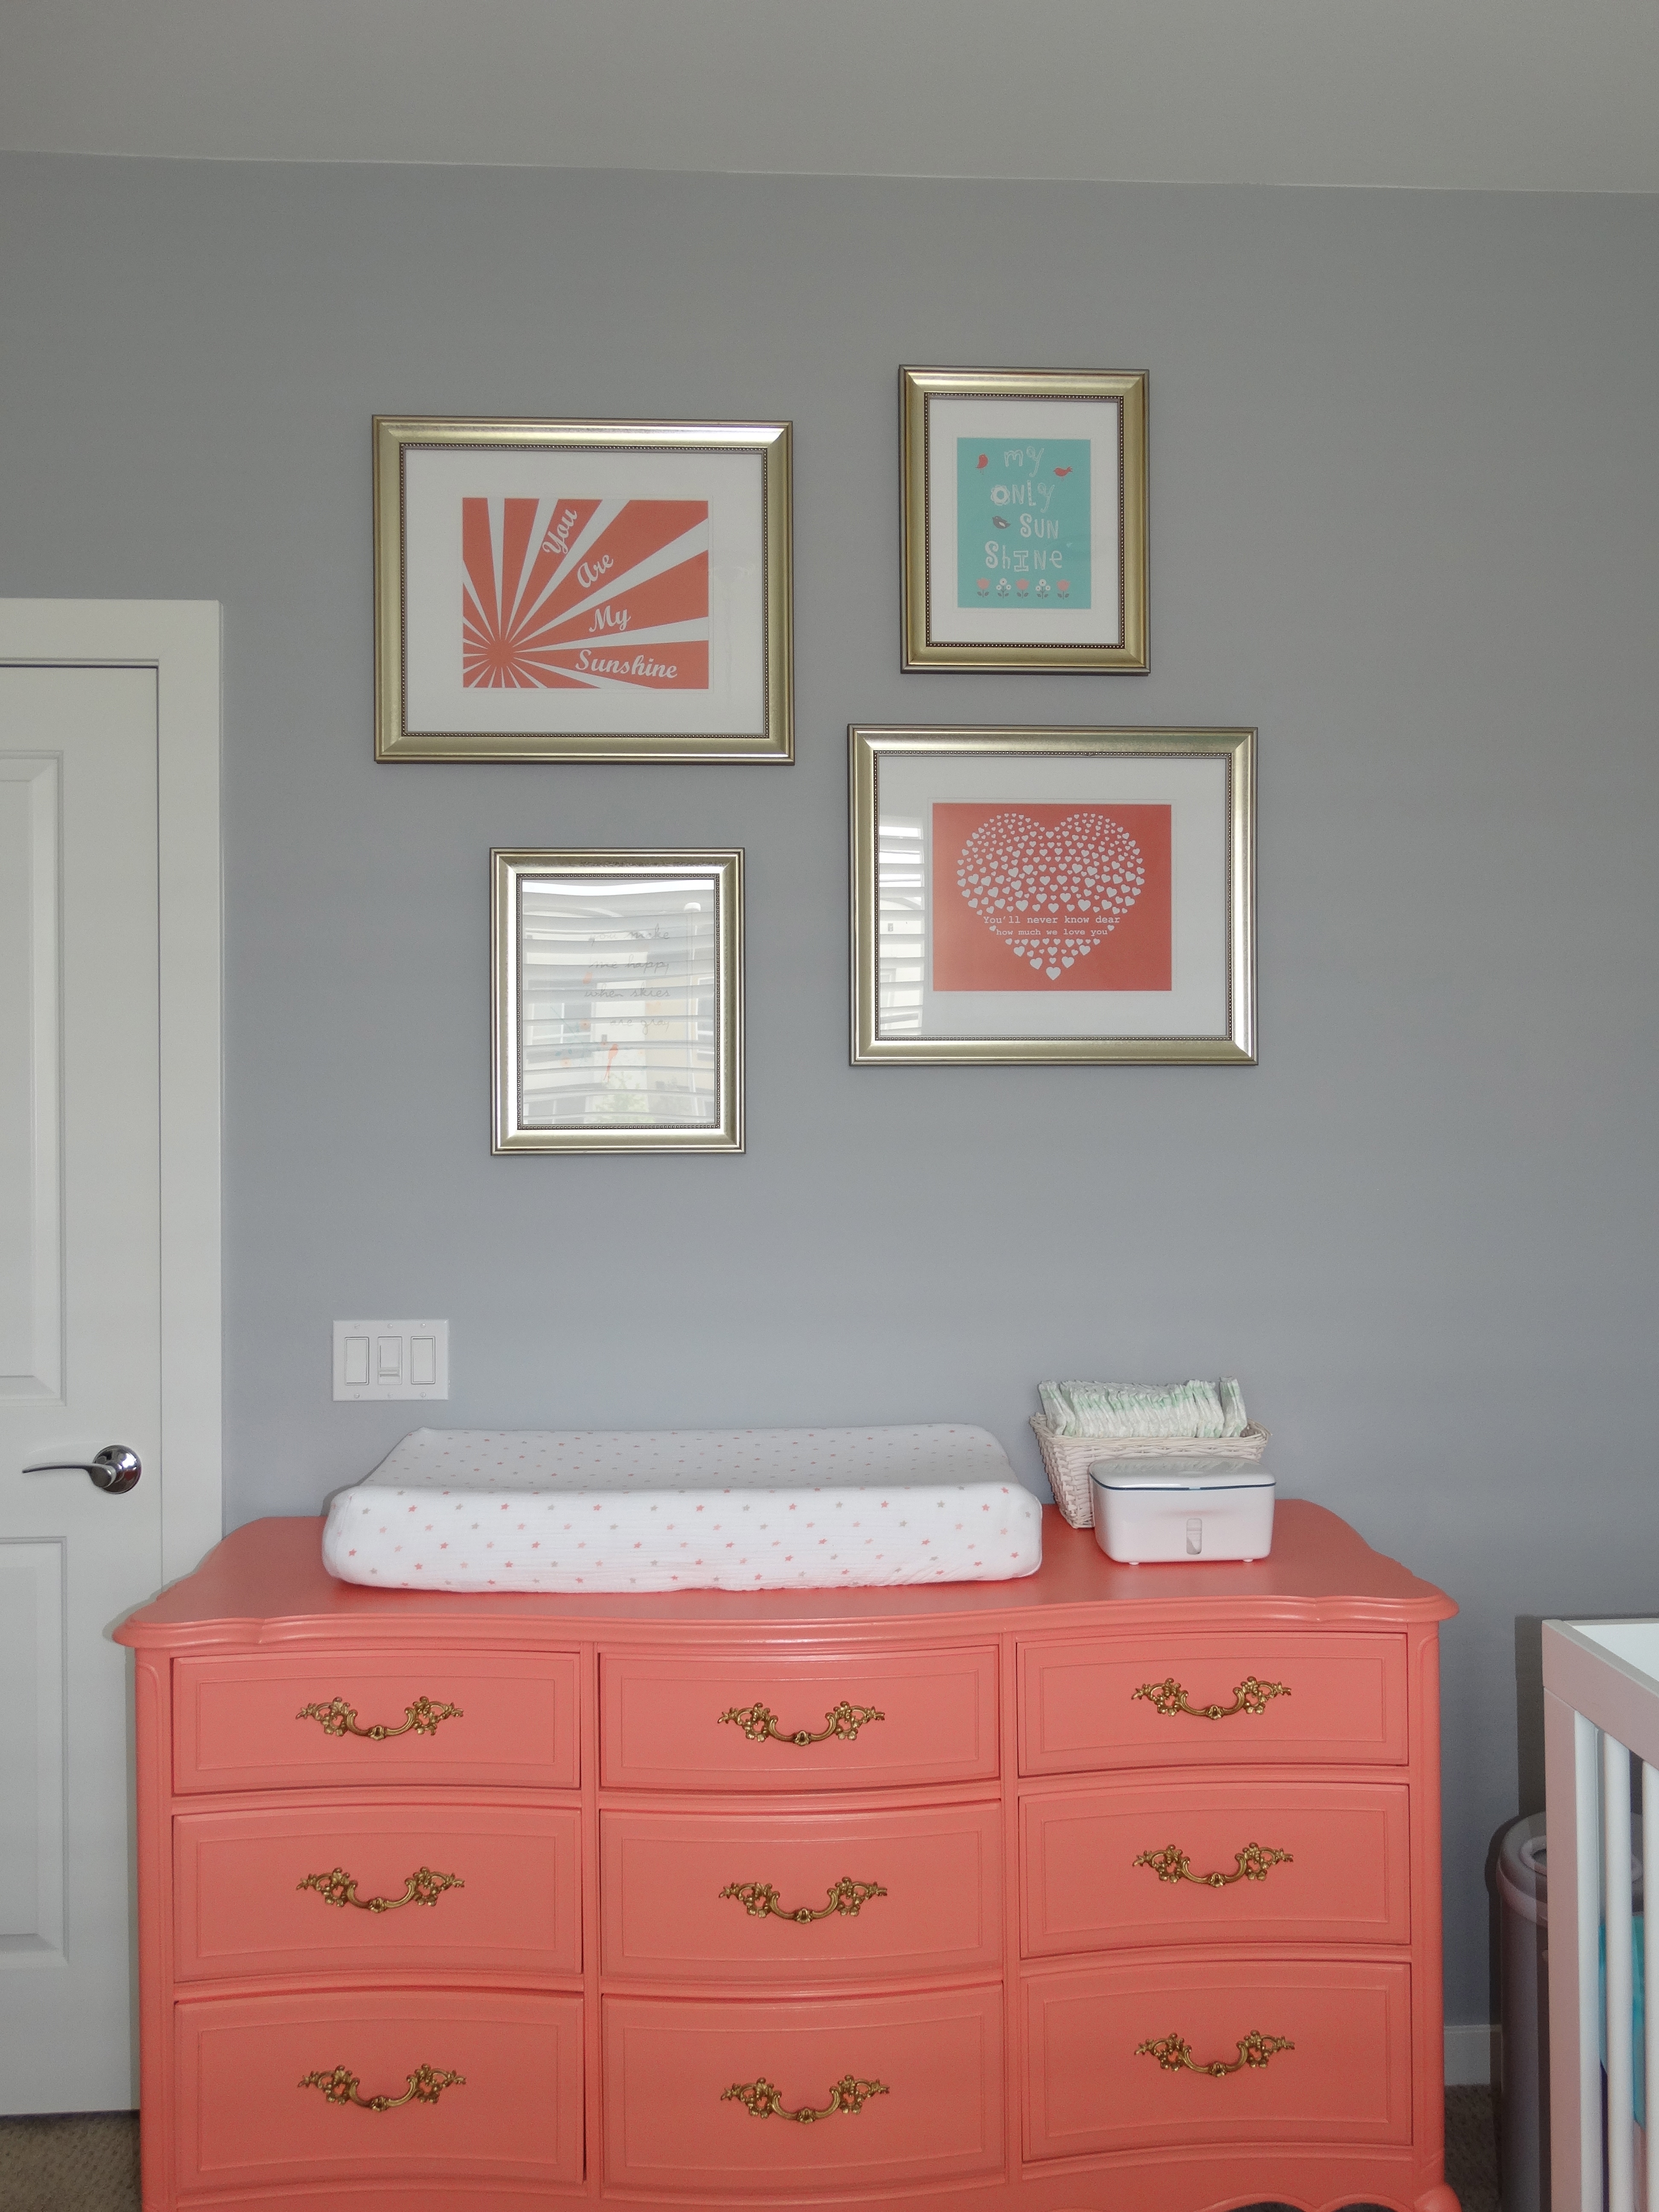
<point>850,2094</point>
<point>1249,1696</point>
<point>421,1887</point>
<point>1253,1863</point>
<point>758,1722</point>
<point>846,1897</point>
<point>338,1718</point>
<point>1174,2052</point>
<point>426,2085</point>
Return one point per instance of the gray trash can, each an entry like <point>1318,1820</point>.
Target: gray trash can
<point>1523,2133</point>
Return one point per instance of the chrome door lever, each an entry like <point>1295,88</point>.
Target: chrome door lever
<point>116,1468</point>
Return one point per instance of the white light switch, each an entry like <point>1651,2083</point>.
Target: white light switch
<point>391,1358</point>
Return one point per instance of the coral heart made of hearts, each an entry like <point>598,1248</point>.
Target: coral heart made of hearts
<point>1052,895</point>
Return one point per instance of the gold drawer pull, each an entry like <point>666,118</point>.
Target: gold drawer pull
<point>339,1888</point>
<point>1173,2052</point>
<point>426,2085</point>
<point>846,1896</point>
<point>758,1722</point>
<point>1249,1696</point>
<point>1254,1863</point>
<point>766,2102</point>
<point>338,1718</point>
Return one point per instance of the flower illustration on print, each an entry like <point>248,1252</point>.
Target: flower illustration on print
<point>985,587</point>
<point>1042,588</point>
<point>1063,588</point>
<point>1024,588</point>
<point>1003,588</point>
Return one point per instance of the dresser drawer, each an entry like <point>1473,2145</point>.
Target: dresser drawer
<point>923,1893</point>
<point>265,1723</point>
<point>1303,1862</point>
<point>826,1722</point>
<point>491,1887</point>
<point>1210,1700</point>
<point>516,2117</point>
<point>670,2126</point>
<point>1090,2088</point>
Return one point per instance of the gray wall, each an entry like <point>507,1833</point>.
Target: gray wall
<point>1403,476</point>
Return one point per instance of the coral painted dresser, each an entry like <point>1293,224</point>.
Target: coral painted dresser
<point>1115,1889</point>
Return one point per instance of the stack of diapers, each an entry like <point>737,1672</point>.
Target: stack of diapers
<point>585,1510</point>
<point>1144,1409</point>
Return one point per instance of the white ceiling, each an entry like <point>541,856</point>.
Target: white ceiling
<point>1526,95</point>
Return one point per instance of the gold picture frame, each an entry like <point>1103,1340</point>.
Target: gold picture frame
<point>617,1002</point>
<point>1053,574</point>
<point>1053,897</point>
<point>582,591</point>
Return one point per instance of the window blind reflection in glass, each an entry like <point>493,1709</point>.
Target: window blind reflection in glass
<point>901,924</point>
<point>617,987</point>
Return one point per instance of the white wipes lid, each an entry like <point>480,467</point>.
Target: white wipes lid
<point>1170,1473</point>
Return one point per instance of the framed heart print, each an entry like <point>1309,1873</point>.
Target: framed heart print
<point>1024,499</point>
<point>1054,895</point>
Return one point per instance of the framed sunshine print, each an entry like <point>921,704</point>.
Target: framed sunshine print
<point>582,591</point>
<point>1053,895</point>
<point>1024,518</point>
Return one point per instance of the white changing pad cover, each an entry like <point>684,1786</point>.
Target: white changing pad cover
<point>685,1509</point>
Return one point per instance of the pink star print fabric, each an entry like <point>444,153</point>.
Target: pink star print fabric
<point>686,1508</point>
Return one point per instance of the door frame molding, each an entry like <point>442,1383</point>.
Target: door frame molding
<point>180,639</point>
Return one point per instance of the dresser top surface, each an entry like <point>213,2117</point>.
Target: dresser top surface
<point>266,1583</point>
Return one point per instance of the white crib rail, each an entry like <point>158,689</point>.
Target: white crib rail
<point>1601,1703</point>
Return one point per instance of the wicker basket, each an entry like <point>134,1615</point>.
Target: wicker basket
<point>1068,1459</point>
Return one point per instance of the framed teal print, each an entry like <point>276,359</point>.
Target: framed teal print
<point>1024,518</point>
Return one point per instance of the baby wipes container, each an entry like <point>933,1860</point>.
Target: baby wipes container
<point>1181,1508</point>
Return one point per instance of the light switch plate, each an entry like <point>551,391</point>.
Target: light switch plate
<point>391,1358</point>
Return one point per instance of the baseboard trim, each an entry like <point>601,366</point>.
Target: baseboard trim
<point>1472,2054</point>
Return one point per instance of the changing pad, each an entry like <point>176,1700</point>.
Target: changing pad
<point>685,1509</point>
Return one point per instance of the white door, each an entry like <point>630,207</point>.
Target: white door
<point>82,1352</point>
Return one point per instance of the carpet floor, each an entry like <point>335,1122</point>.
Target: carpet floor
<point>77,2162</point>
<point>88,2162</point>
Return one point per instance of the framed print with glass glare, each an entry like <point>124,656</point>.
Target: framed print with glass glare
<point>619,1001</point>
<point>1053,895</point>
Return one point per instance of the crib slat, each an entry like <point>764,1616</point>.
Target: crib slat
<point>1650,1970</point>
<point>1586,1823</point>
<point>1616,1894</point>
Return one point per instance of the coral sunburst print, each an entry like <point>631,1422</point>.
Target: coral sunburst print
<point>582,590</point>
<point>585,594</point>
